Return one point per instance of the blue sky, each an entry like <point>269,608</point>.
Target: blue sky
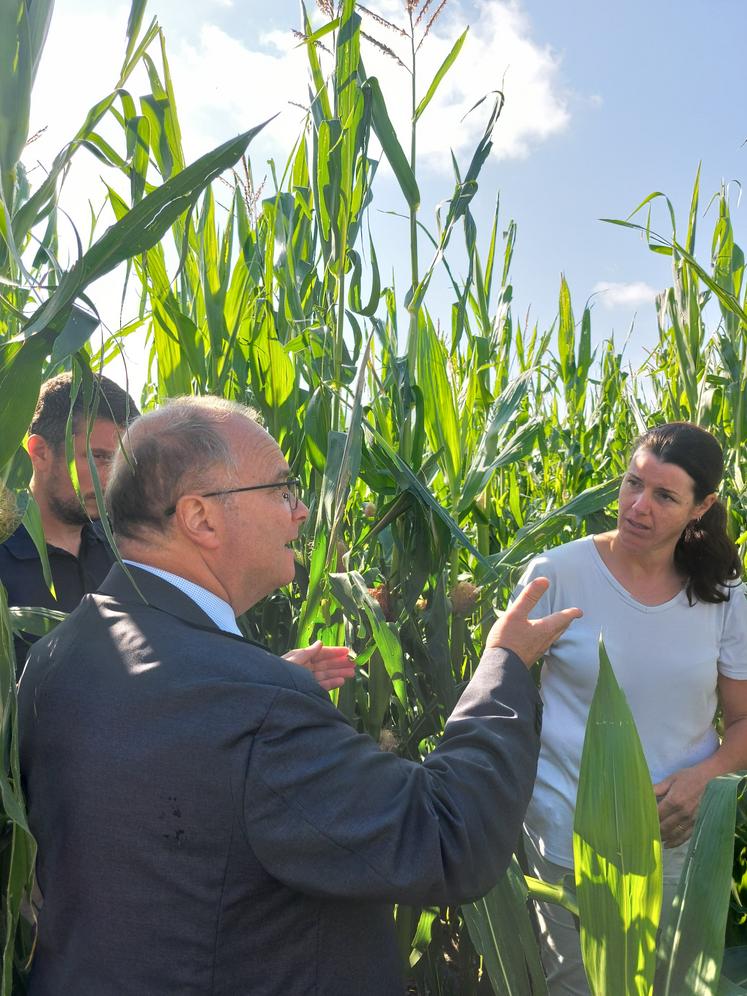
<point>605,103</point>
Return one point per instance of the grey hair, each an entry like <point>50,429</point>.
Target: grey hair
<point>174,450</point>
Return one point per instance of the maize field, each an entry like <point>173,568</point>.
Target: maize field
<point>438,450</point>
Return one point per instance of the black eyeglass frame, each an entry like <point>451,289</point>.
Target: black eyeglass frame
<point>292,484</point>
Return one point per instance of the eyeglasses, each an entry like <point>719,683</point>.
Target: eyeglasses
<point>291,492</point>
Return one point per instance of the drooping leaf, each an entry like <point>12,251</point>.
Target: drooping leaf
<point>387,136</point>
<point>142,227</point>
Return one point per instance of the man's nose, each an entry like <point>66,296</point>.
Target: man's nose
<point>301,511</point>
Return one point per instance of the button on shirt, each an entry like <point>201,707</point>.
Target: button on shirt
<point>21,574</point>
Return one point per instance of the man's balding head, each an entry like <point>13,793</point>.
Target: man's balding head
<point>181,447</point>
<point>203,491</point>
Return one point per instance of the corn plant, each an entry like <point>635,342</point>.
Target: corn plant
<point>438,452</point>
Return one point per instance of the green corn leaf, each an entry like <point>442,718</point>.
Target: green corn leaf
<point>78,329</point>
<point>315,36</point>
<point>317,584</point>
<point>440,407</point>
<point>616,848</point>
<point>725,297</point>
<point>691,947</point>
<point>18,888</point>
<point>515,448</point>
<point>355,301</point>
<point>464,191</point>
<point>33,523</point>
<point>319,94</point>
<point>20,380</point>
<point>15,89</point>
<point>502,934</point>
<point>409,481</point>
<point>540,532</point>
<point>134,22</point>
<point>10,775</point>
<point>31,619</point>
<point>347,58</point>
<point>384,131</point>
<point>440,73</point>
<point>566,333</point>
<point>350,459</point>
<point>142,227</point>
<point>139,130</point>
<point>35,208</point>
<point>351,591</point>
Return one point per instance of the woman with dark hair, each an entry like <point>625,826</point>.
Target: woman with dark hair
<point>664,590</point>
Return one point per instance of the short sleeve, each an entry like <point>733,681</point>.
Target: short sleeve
<point>732,657</point>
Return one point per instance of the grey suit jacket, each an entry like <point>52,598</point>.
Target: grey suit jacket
<point>209,823</point>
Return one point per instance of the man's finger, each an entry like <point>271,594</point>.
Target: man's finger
<point>559,621</point>
<point>528,598</point>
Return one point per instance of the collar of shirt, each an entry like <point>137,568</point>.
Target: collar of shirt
<point>22,547</point>
<point>216,608</point>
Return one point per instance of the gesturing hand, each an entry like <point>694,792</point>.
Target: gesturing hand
<point>331,666</point>
<point>529,638</point>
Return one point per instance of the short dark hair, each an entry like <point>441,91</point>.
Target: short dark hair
<point>705,553</point>
<point>172,450</point>
<point>53,407</point>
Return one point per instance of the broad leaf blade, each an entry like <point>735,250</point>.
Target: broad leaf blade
<point>502,934</point>
<point>387,136</point>
<point>616,848</point>
<point>691,948</point>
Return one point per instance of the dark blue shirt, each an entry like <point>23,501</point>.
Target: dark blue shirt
<point>21,574</point>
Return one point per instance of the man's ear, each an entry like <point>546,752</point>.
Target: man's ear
<point>195,519</point>
<point>40,451</point>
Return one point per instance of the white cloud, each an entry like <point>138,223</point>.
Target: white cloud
<point>499,53</point>
<point>614,295</point>
<point>225,84</point>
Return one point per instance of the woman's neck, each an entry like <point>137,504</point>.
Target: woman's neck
<point>651,577</point>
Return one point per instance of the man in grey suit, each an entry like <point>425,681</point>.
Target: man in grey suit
<point>207,821</point>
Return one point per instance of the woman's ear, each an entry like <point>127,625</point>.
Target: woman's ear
<point>708,502</point>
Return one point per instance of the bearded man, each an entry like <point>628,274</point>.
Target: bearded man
<point>79,555</point>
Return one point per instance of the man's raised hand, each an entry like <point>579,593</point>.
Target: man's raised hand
<point>529,638</point>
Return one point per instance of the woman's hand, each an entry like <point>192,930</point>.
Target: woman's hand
<point>678,798</point>
<point>331,666</point>
<point>679,795</point>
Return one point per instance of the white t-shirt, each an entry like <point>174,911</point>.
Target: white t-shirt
<point>666,658</point>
